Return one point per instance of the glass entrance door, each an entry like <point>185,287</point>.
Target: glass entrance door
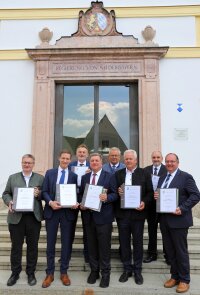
<point>100,116</point>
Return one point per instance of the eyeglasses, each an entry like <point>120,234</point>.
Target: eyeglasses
<point>170,162</point>
<point>27,163</point>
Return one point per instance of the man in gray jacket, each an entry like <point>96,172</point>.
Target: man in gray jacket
<point>23,224</point>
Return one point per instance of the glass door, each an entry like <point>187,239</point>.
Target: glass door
<point>100,116</point>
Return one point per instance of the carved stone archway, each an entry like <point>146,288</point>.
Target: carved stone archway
<point>96,53</point>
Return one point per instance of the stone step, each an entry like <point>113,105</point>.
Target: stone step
<point>78,264</point>
<point>153,285</point>
<point>193,238</point>
<point>77,251</point>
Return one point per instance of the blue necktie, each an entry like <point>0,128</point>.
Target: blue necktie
<point>166,181</point>
<point>62,178</point>
<point>155,170</point>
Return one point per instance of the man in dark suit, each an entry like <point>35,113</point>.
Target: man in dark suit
<point>174,226</point>
<point>55,215</point>
<point>24,224</point>
<point>131,221</point>
<point>114,163</point>
<point>98,225</point>
<point>156,170</point>
<point>81,155</point>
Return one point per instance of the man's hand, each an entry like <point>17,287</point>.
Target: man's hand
<point>178,211</point>
<point>55,205</point>
<point>10,207</point>
<point>142,206</point>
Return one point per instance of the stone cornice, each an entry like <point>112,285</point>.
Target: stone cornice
<point>121,12</point>
<point>173,52</point>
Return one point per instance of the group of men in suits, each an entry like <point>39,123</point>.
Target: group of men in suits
<point>98,225</point>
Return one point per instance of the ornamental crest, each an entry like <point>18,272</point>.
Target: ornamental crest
<point>97,21</point>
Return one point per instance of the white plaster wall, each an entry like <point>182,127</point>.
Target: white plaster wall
<point>86,3</point>
<point>179,83</point>
<point>15,115</point>
<point>20,34</point>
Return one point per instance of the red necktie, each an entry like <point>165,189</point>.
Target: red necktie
<point>93,179</point>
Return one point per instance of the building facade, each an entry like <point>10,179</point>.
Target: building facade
<point>67,67</point>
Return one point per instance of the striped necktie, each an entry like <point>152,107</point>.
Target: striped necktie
<point>167,180</point>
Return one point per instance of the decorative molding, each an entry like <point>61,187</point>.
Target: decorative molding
<point>121,12</point>
<point>173,52</point>
<point>197,31</point>
<point>96,21</point>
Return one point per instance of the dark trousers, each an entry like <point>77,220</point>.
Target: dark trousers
<point>152,220</point>
<point>134,228</point>
<point>28,228</point>
<point>175,242</point>
<point>99,246</point>
<point>67,231</point>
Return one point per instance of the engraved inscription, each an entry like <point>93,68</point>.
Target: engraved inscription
<point>64,68</point>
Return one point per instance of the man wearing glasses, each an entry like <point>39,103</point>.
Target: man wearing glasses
<point>174,226</point>
<point>24,224</point>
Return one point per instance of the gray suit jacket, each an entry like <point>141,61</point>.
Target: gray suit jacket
<point>17,180</point>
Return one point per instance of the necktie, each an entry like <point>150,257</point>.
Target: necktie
<point>62,178</point>
<point>93,179</point>
<point>167,180</point>
<point>155,171</point>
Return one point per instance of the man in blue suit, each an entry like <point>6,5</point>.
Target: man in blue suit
<point>114,163</point>
<point>98,225</point>
<point>174,226</point>
<point>55,215</point>
<point>81,155</point>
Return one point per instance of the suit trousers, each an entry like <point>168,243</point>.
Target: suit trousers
<point>99,246</point>
<point>152,220</point>
<point>176,247</point>
<point>67,231</point>
<point>28,228</point>
<point>134,228</point>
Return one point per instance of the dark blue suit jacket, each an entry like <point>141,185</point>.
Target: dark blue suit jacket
<point>108,168</point>
<point>106,215</point>
<point>49,191</point>
<point>74,163</point>
<point>189,196</point>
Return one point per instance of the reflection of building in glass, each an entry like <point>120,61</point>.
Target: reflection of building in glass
<point>108,137</point>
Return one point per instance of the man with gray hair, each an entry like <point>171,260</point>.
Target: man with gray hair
<point>113,163</point>
<point>24,224</point>
<point>131,221</point>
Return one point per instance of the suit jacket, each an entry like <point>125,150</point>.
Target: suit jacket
<point>162,171</point>
<point>49,192</point>
<point>189,196</point>
<point>108,168</point>
<point>106,215</point>
<point>139,177</point>
<point>17,180</point>
<point>75,163</point>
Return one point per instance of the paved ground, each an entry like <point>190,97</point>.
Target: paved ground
<point>153,284</point>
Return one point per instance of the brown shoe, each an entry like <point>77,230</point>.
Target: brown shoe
<point>171,283</point>
<point>47,281</point>
<point>65,279</point>
<point>182,287</point>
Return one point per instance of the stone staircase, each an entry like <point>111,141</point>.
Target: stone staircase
<point>78,267</point>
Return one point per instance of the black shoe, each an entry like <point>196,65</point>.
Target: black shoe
<point>32,280</point>
<point>105,280</point>
<point>12,279</point>
<point>124,277</point>
<point>138,278</point>
<point>93,277</point>
<point>150,258</point>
